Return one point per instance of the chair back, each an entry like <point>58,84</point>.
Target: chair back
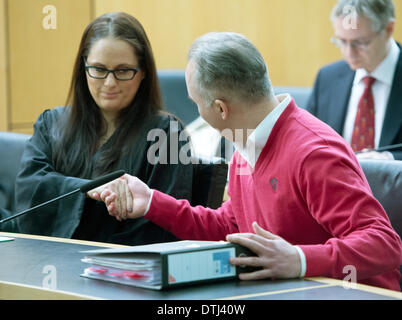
<point>209,182</point>
<point>11,148</point>
<point>175,96</point>
<point>385,180</point>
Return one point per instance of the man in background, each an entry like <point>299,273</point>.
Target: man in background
<point>361,96</point>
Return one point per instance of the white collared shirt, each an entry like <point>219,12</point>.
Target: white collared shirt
<point>384,75</point>
<point>259,137</point>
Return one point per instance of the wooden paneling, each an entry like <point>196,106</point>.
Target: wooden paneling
<point>168,24</point>
<point>293,35</point>
<point>3,68</point>
<point>41,59</point>
<point>35,69</point>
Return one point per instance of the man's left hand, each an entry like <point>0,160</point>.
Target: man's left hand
<point>277,257</point>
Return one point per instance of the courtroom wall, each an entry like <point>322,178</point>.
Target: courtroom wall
<point>37,52</point>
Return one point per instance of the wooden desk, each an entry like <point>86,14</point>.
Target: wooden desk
<point>28,260</point>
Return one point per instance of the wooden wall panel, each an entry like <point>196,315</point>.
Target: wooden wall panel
<point>41,59</point>
<point>168,25</point>
<point>4,110</point>
<point>35,67</point>
<point>293,35</point>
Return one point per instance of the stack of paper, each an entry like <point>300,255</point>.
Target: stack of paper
<point>138,271</point>
<point>5,239</point>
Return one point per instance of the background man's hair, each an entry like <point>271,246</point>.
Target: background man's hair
<point>380,12</point>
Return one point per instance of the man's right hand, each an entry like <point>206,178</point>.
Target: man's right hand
<point>140,197</point>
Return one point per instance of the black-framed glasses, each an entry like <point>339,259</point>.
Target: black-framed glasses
<point>122,74</point>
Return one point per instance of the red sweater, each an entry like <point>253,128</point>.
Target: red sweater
<point>308,188</point>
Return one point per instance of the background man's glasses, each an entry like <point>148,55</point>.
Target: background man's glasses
<point>354,44</point>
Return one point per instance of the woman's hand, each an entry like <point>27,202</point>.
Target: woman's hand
<point>117,193</point>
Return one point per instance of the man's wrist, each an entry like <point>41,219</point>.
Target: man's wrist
<point>149,202</point>
<point>302,261</point>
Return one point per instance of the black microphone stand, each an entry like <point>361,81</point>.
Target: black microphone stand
<point>84,188</point>
<point>39,206</point>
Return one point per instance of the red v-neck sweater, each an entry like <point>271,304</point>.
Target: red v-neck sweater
<point>308,188</point>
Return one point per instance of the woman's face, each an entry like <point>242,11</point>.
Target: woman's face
<point>112,95</point>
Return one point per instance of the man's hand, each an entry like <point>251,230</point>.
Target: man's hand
<point>277,257</point>
<point>137,196</point>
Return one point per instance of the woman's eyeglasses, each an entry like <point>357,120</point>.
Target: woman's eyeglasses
<point>102,73</point>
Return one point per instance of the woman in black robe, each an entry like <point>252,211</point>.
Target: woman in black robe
<point>114,103</point>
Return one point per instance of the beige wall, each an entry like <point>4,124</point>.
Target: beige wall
<point>41,59</point>
<point>293,36</point>
<point>3,68</point>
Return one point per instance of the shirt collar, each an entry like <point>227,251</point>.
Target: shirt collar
<point>385,70</point>
<point>259,137</point>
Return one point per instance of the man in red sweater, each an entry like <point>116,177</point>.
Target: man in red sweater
<point>298,196</point>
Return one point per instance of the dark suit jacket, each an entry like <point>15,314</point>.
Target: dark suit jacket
<point>330,98</point>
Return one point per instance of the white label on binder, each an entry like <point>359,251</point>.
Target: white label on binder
<point>200,265</point>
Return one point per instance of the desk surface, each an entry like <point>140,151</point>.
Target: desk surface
<point>27,261</point>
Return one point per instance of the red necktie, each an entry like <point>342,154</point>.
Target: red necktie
<point>363,131</point>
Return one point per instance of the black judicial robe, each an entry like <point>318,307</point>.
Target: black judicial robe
<point>83,218</point>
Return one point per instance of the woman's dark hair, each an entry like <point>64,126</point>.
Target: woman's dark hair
<point>85,125</point>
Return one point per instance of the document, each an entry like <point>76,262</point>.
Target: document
<point>162,265</point>
<point>5,239</point>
